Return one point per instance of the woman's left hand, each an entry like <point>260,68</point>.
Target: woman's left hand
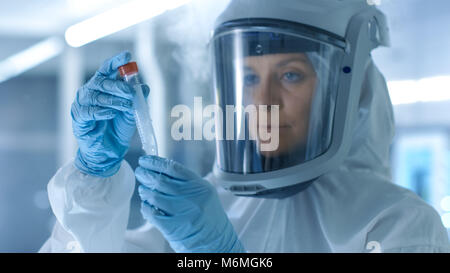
<point>184,207</point>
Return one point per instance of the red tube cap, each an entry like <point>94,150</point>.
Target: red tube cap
<point>128,69</point>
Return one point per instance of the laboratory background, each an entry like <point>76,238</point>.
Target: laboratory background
<point>49,48</point>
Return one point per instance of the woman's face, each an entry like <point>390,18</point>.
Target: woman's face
<point>286,80</point>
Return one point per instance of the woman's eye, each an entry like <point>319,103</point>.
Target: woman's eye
<point>251,79</point>
<point>292,77</point>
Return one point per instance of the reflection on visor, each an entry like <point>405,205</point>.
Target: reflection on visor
<point>262,43</point>
<point>290,82</point>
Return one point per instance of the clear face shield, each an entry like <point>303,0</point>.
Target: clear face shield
<point>277,90</point>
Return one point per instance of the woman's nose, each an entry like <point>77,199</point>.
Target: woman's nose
<point>267,94</point>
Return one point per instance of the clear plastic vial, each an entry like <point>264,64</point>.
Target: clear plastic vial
<point>129,73</point>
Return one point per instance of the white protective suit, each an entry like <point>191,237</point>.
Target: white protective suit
<point>355,208</point>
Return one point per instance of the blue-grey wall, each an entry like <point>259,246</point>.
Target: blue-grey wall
<point>28,120</point>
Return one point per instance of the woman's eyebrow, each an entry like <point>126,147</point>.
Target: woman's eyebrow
<point>298,59</point>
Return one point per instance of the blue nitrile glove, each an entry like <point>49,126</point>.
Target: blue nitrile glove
<point>102,119</point>
<point>184,207</point>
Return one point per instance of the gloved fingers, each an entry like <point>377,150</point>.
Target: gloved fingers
<point>117,88</point>
<point>82,113</point>
<point>168,167</point>
<point>152,212</point>
<point>159,181</point>
<point>110,66</point>
<point>170,204</point>
<point>174,227</point>
<point>89,97</point>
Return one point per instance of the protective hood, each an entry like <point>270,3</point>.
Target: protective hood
<point>374,129</point>
<point>254,66</point>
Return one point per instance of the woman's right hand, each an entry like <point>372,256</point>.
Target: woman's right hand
<point>102,119</point>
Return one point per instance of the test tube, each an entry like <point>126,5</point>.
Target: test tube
<point>129,73</point>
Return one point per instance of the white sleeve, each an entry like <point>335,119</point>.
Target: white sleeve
<point>92,212</point>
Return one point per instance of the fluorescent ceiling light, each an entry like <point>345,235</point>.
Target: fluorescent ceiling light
<point>446,219</point>
<point>30,57</point>
<point>117,19</point>
<point>445,203</point>
<point>423,90</point>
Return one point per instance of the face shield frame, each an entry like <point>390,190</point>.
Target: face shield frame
<point>365,32</point>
